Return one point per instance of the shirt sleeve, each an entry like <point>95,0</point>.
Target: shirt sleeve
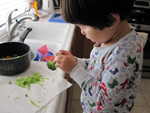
<point>110,88</point>
<point>83,62</point>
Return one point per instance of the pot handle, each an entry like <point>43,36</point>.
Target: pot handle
<point>24,35</point>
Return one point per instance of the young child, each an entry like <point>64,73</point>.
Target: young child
<point>110,79</point>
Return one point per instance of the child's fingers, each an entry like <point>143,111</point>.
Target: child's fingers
<point>63,52</point>
<point>58,53</point>
<point>58,65</point>
<point>58,61</point>
<point>59,57</point>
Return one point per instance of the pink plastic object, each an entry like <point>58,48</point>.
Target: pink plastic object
<point>43,50</point>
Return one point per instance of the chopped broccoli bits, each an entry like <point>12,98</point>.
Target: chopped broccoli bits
<point>26,95</point>
<point>34,104</point>
<point>26,82</point>
<point>16,98</point>
<point>39,101</point>
<point>9,82</point>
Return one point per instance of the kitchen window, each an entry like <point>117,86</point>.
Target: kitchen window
<point>8,5</point>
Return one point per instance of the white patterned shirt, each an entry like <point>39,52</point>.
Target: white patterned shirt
<point>110,79</point>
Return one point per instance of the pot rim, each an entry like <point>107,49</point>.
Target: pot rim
<point>19,56</point>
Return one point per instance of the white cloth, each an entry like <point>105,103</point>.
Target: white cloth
<point>13,98</point>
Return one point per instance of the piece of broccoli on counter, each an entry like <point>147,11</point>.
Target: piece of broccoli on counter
<point>51,65</point>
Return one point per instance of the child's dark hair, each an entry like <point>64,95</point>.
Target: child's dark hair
<point>95,13</point>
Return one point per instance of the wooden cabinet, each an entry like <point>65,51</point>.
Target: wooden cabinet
<point>81,46</point>
<point>77,44</point>
<point>87,47</point>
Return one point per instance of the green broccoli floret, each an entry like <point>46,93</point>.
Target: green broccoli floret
<point>51,65</point>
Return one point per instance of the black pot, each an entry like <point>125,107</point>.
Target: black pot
<point>15,65</point>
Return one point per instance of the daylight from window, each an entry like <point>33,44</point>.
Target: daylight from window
<point>8,5</point>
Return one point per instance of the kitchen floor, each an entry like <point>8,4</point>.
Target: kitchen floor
<point>142,104</point>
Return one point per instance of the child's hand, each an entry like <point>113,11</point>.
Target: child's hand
<point>65,61</point>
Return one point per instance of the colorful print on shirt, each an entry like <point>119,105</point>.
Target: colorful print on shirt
<point>111,81</point>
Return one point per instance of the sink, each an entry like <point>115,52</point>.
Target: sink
<point>53,47</point>
<point>49,32</point>
<point>54,32</point>
<point>45,33</point>
<point>55,35</point>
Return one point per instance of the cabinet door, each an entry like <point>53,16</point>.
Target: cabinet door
<point>77,44</point>
<point>87,47</point>
<point>81,46</point>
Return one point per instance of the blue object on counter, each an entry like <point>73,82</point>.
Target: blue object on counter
<point>56,17</point>
<point>38,57</point>
<point>48,54</point>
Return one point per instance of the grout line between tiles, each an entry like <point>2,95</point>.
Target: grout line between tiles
<point>144,97</point>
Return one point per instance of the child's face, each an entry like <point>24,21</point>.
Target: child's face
<point>96,35</point>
